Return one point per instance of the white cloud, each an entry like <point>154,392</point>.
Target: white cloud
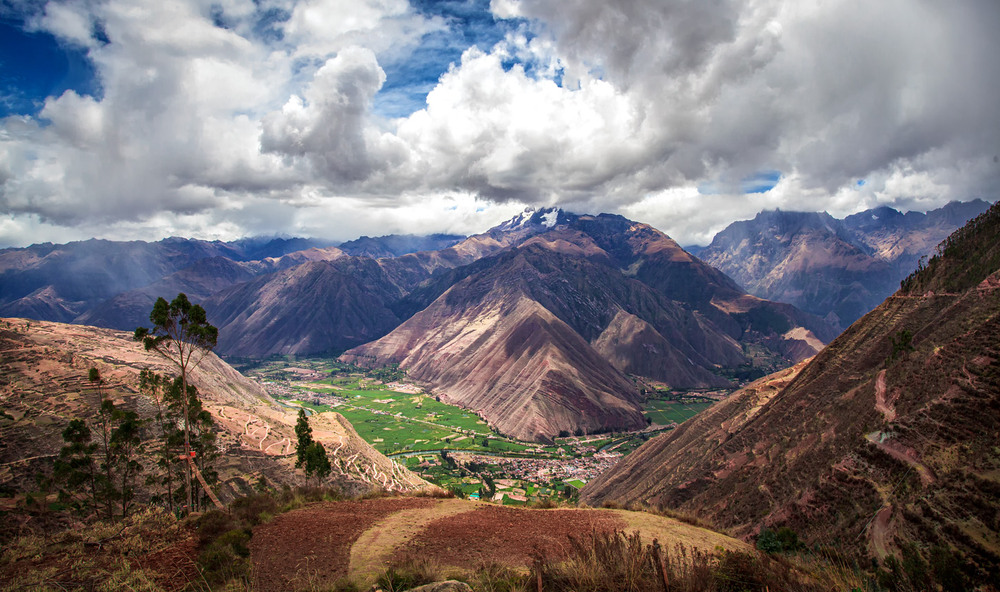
<point>595,105</point>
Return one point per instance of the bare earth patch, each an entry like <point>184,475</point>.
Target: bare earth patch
<point>315,546</point>
<point>498,534</point>
<point>311,547</point>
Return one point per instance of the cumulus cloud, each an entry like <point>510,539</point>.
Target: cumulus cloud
<point>227,117</point>
<point>330,126</point>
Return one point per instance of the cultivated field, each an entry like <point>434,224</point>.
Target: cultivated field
<point>400,419</point>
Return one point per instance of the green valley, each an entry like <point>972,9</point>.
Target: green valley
<point>451,446</point>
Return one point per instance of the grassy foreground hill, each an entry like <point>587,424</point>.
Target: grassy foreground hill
<point>884,444</point>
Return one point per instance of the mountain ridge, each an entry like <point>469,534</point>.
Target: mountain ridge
<point>836,269</point>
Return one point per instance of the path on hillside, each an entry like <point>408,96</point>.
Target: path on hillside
<point>313,547</point>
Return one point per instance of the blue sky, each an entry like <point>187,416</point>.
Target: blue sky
<point>408,80</point>
<point>34,65</point>
<point>335,118</point>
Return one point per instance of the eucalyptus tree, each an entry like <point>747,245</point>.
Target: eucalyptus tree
<point>181,334</point>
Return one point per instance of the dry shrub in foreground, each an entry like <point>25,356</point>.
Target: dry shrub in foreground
<point>620,562</point>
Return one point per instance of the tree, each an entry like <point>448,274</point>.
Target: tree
<point>200,436</point>
<point>75,466</point>
<point>105,483</point>
<point>109,467</point>
<point>304,435</point>
<point>317,462</point>
<point>181,334</point>
<point>126,444</point>
<point>153,385</point>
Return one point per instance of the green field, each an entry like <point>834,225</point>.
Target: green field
<point>664,412</point>
<point>392,421</point>
<point>405,423</point>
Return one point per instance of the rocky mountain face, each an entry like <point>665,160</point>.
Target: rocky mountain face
<point>887,436</point>
<point>538,338</point>
<point>836,269</point>
<point>44,384</point>
<point>60,282</point>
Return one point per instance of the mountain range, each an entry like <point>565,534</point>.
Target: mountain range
<point>541,337</point>
<point>550,322</point>
<point>836,269</point>
<point>886,438</point>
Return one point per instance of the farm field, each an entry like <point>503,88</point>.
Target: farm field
<point>451,446</point>
<point>665,412</point>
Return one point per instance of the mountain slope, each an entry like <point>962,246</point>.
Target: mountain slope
<point>396,245</point>
<point>887,436</point>
<point>43,385</point>
<point>573,299</point>
<point>525,371</point>
<point>315,307</point>
<point>130,309</point>
<point>59,282</point>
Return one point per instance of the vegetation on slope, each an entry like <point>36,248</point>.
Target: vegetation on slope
<point>963,260</point>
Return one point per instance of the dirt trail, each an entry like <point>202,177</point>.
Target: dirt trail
<point>882,405</point>
<point>903,453</point>
<point>313,547</point>
<point>880,532</point>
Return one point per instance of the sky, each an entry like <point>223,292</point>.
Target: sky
<point>141,119</point>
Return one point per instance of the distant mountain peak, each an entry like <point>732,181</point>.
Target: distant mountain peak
<point>540,217</point>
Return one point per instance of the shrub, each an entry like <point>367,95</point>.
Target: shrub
<point>409,573</point>
<point>254,509</point>
<point>212,524</point>
<point>767,541</point>
<point>226,558</point>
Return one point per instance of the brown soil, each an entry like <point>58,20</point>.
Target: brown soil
<point>311,547</point>
<point>506,535</point>
<point>175,567</point>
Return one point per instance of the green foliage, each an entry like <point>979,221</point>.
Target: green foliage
<point>303,433</point>
<point>226,558</point>
<point>962,260</point>
<point>767,541</point>
<point>317,462</point>
<point>902,343</point>
<point>176,323</point>
<point>103,474</point>
<point>789,540</point>
<point>75,469</point>
<point>783,540</point>
<point>388,373</point>
<point>181,334</point>
<point>154,386</point>
<point>946,567</point>
<point>198,434</point>
<point>254,509</point>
